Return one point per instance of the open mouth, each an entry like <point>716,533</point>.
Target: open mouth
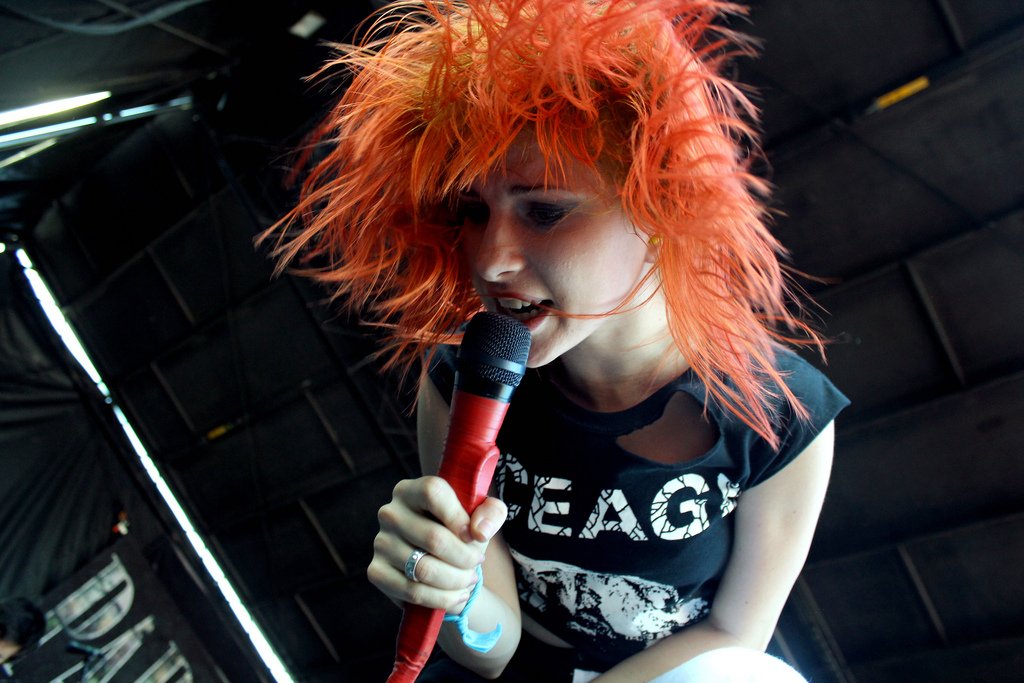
<point>521,310</point>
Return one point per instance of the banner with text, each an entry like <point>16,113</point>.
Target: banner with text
<point>113,621</point>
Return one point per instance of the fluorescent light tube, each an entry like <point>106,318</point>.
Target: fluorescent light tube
<point>38,111</point>
<point>27,135</point>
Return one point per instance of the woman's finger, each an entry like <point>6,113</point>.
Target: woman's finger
<point>393,583</point>
<point>428,515</point>
<point>437,497</point>
<point>429,569</point>
<point>489,516</point>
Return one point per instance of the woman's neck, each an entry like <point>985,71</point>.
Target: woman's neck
<point>622,368</point>
<point>613,390</point>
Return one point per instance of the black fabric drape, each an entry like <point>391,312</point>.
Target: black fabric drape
<point>62,483</point>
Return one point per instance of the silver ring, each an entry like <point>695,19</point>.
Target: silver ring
<point>410,565</point>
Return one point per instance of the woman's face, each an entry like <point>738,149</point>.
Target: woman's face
<point>569,247</point>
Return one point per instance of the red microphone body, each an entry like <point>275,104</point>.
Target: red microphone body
<point>491,362</point>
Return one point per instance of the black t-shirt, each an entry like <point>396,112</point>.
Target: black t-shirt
<point>614,551</point>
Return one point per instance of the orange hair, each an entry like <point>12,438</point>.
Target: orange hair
<point>633,88</point>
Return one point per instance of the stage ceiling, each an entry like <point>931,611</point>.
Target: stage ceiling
<point>895,140</point>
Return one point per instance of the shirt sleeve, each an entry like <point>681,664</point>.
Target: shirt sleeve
<point>441,369</point>
<point>823,402</point>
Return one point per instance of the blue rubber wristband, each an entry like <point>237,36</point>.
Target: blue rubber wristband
<point>481,642</point>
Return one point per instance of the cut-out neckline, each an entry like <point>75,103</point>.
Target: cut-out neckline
<point>644,416</point>
<point>682,434</point>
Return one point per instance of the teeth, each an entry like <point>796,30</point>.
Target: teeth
<point>513,304</point>
<point>517,308</point>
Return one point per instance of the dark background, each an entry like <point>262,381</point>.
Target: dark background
<point>270,419</point>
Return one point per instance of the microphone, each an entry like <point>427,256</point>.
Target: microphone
<point>77,648</point>
<point>489,366</point>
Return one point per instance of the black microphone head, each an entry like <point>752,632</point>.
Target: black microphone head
<point>494,351</point>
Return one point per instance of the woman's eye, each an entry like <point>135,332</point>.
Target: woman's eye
<point>546,215</point>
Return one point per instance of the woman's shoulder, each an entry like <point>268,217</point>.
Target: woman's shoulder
<point>821,402</point>
<point>809,384</point>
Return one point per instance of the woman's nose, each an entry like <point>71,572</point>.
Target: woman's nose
<point>496,250</point>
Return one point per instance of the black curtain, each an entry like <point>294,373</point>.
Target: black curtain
<point>68,475</point>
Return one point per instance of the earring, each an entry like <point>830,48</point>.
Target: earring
<point>654,240</point>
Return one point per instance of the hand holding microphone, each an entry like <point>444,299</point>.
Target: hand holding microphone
<point>491,362</point>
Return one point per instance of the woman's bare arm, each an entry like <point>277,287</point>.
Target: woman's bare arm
<point>775,523</point>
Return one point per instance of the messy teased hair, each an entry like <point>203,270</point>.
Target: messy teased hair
<point>439,91</point>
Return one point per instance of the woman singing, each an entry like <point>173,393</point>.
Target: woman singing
<point>581,166</point>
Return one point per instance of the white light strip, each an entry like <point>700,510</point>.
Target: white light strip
<point>138,111</point>
<point>47,130</point>
<point>37,111</point>
<point>150,108</point>
<point>59,322</point>
<point>259,640</point>
<point>256,635</point>
<point>26,153</point>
